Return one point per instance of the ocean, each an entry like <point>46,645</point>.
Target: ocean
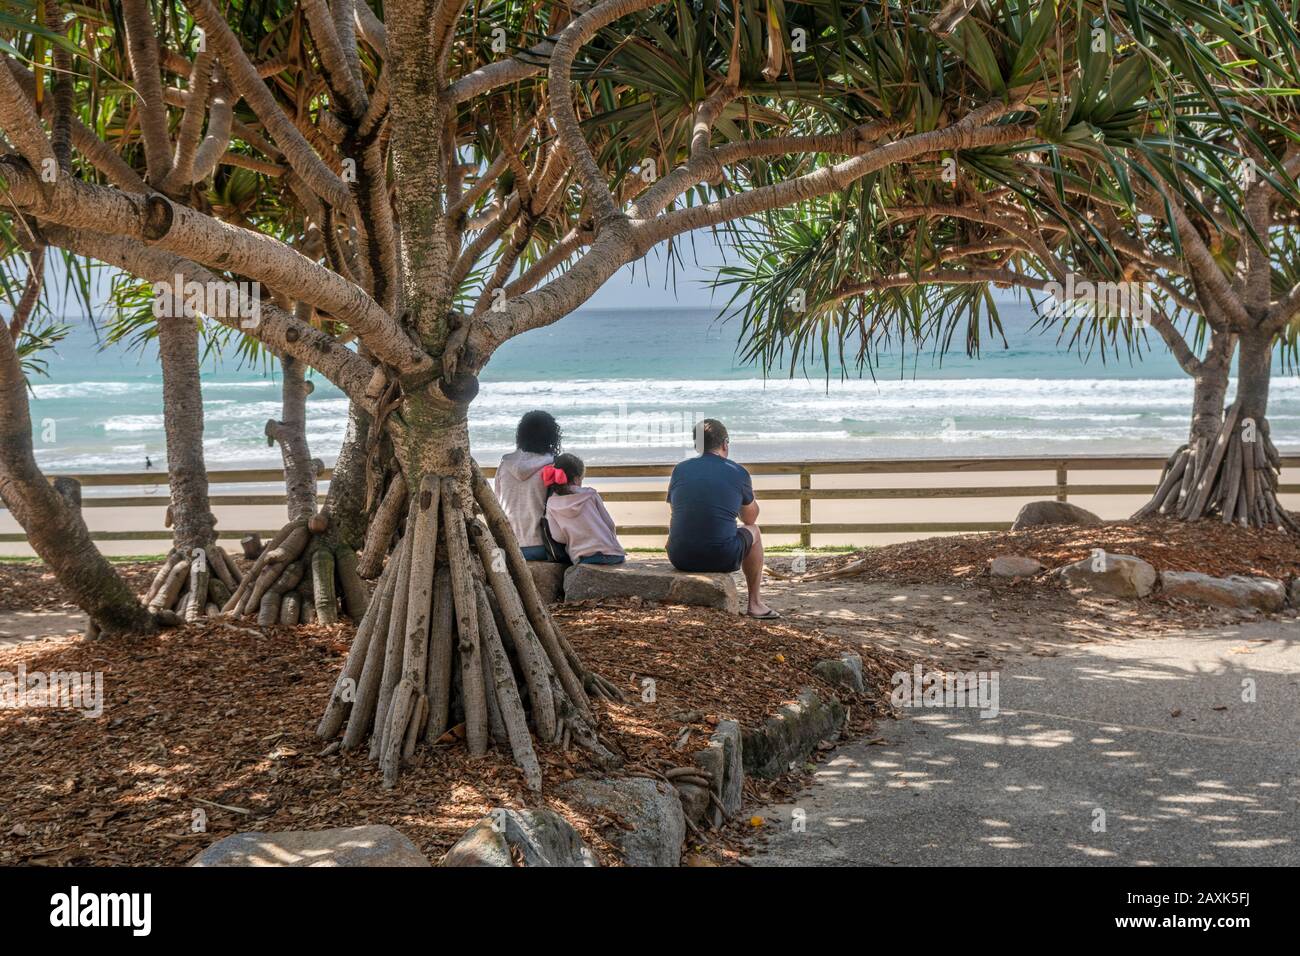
<point>627,385</point>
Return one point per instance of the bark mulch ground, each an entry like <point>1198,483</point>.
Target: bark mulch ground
<point>682,674</point>
<point>30,586</point>
<point>217,721</point>
<point>1208,546</point>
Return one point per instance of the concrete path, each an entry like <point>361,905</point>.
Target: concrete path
<point>20,627</point>
<point>1153,733</point>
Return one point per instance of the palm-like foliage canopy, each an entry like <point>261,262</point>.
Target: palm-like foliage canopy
<point>1092,97</point>
<point>1145,104</point>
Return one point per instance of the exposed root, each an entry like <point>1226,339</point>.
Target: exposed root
<point>454,637</point>
<point>1234,477</point>
<point>192,585</point>
<point>379,535</point>
<point>298,578</point>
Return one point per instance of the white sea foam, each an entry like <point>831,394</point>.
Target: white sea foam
<point>133,423</point>
<point>51,390</point>
<point>645,419</point>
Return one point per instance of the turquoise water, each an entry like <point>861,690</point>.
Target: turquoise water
<point>627,384</point>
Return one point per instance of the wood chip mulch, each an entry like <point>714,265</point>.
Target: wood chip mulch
<point>30,586</point>
<point>701,666</point>
<point>1208,546</point>
<point>217,721</point>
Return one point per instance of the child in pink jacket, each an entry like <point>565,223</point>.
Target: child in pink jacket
<point>577,517</point>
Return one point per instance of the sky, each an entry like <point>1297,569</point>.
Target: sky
<point>650,283</point>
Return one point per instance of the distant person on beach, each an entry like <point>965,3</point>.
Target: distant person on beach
<point>148,463</point>
<point>576,517</point>
<point>708,494</point>
<point>518,482</point>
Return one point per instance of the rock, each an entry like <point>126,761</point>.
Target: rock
<point>791,734</point>
<point>728,737</point>
<point>375,845</point>
<point>1263,594</point>
<point>1037,514</point>
<point>650,808</point>
<point>1014,566</point>
<point>725,759</point>
<point>1293,592</point>
<point>664,585</point>
<point>549,578</point>
<point>1119,575</point>
<point>540,837</point>
<point>695,801</point>
<point>482,845</point>
<point>844,671</point>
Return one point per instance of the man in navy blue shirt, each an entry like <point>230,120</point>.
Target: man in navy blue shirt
<point>708,494</point>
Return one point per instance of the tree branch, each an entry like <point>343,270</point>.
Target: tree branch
<point>505,72</point>
<point>344,84</point>
<point>142,51</point>
<point>565,117</point>
<point>249,85</point>
<point>970,132</point>
<point>1199,255</point>
<point>189,233</point>
<point>187,139</point>
<point>21,123</point>
<point>31,292</point>
<point>278,329</point>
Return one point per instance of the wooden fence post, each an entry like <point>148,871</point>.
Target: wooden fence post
<point>805,508</point>
<point>1061,479</point>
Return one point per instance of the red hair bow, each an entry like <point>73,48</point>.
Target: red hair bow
<point>554,476</point>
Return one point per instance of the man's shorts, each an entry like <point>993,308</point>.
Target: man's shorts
<point>712,557</point>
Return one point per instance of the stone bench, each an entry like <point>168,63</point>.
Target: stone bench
<point>549,579</point>
<point>660,584</point>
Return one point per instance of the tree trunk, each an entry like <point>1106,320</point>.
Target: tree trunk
<point>1254,375</point>
<point>194,561</point>
<point>1232,472</point>
<point>323,543</point>
<point>300,469</point>
<point>187,473</point>
<point>1211,390</point>
<point>436,621</point>
<point>54,528</point>
<point>1178,479</point>
<point>346,499</point>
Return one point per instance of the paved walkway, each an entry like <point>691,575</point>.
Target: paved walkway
<point>19,627</point>
<point>1153,733</point>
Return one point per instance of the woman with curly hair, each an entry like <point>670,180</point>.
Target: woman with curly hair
<point>518,482</point>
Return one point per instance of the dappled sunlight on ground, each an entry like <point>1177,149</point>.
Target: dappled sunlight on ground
<point>1137,753</point>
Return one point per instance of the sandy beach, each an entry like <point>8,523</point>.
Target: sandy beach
<point>265,518</point>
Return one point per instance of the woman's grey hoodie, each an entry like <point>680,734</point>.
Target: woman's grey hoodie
<point>580,522</point>
<point>519,488</point>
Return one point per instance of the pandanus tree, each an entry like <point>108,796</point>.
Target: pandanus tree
<point>1236,213</point>
<point>462,177</point>
<point>1234,234</point>
<point>1113,215</point>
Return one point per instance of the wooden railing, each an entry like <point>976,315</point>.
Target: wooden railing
<point>1058,468</point>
